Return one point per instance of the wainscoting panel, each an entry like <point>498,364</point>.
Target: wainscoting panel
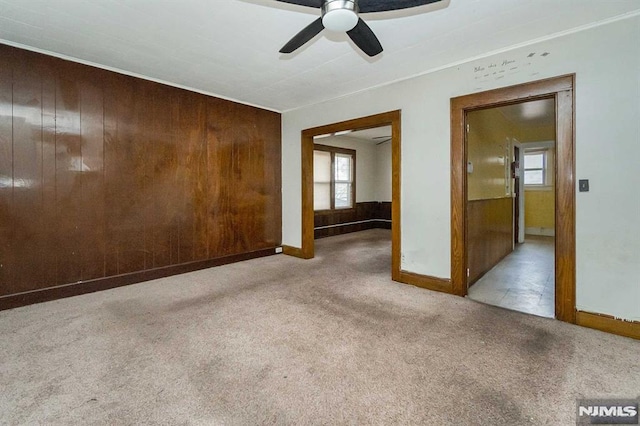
<point>490,230</point>
<point>365,215</point>
<point>105,175</point>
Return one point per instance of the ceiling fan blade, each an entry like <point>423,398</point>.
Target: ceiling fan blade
<point>366,6</point>
<point>365,39</point>
<point>309,32</point>
<point>308,3</point>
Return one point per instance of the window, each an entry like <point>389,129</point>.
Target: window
<point>535,165</point>
<point>333,177</point>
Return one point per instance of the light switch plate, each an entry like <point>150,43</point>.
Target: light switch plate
<point>583,185</point>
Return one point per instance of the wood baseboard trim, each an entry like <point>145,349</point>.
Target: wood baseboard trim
<point>609,324</point>
<point>83,287</point>
<point>425,281</point>
<point>295,252</point>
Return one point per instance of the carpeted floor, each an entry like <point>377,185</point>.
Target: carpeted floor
<point>280,340</point>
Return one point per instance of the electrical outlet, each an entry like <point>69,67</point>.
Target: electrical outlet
<point>278,250</point>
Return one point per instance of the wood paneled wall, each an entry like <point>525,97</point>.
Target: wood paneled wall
<point>490,238</point>
<point>376,214</point>
<point>103,174</point>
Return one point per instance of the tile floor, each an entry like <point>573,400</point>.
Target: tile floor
<point>523,281</point>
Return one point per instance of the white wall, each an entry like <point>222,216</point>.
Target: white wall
<point>606,60</point>
<point>383,172</point>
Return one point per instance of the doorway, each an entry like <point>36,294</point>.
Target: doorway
<point>352,182</point>
<point>391,119</point>
<point>510,206</point>
<point>561,91</point>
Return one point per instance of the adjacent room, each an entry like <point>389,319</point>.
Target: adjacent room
<point>511,204</point>
<point>319,212</point>
<point>352,187</point>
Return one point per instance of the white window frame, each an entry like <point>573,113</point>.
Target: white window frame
<point>544,168</point>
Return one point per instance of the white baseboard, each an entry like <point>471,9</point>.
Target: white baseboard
<point>546,232</point>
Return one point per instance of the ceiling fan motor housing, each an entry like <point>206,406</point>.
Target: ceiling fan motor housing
<point>339,15</point>
<point>342,16</point>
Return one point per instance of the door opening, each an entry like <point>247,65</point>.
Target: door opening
<point>509,268</point>
<point>390,119</point>
<point>352,182</point>
<point>561,91</point>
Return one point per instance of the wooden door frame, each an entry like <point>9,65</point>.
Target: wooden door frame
<point>562,90</point>
<point>391,118</point>
<point>515,148</point>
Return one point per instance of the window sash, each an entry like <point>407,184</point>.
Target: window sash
<point>537,174</point>
<point>342,180</point>
<point>321,196</point>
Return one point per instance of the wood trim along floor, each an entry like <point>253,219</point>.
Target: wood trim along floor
<point>609,324</point>
<point>294,251</point>
<point>561,89</point>
<point>90,286</point>
<point>425,281</point>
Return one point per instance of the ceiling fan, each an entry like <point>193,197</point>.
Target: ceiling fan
<point>385,139</point>
<point>342,15</point>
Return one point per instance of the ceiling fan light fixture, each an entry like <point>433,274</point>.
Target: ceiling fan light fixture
<point>339,15</point>
<point>342,16</point>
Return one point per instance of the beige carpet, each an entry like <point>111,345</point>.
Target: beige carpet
<point>280,340</point>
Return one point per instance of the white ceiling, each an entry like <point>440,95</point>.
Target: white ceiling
<point>540,113</point>
<point>229,48</point>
